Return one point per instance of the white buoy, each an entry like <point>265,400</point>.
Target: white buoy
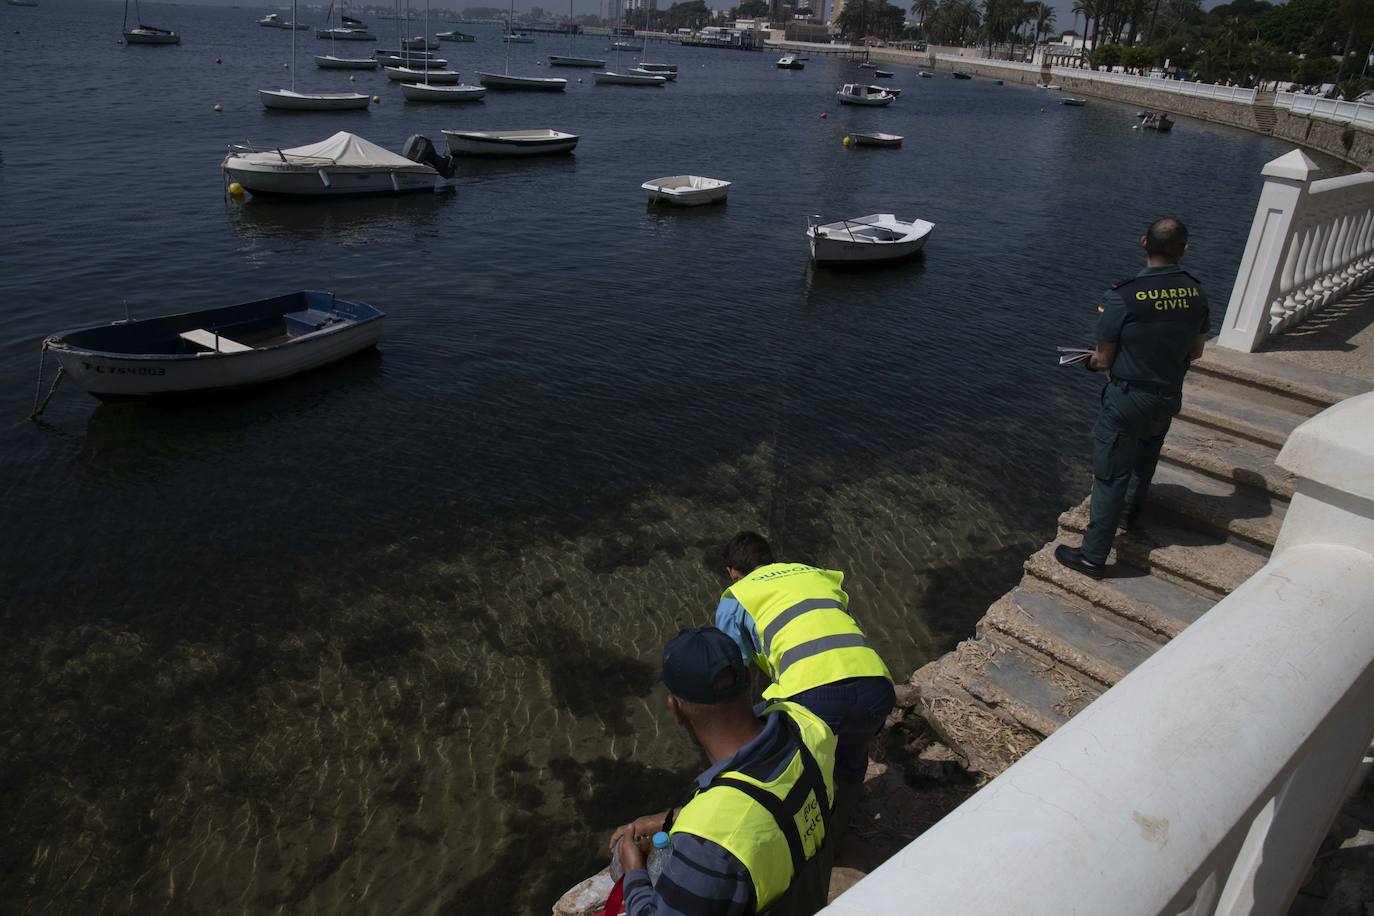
<point>219,108</point>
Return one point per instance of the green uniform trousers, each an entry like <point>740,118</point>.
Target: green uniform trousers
<point>1130,430</point>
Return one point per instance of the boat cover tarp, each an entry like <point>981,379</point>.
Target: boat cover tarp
<point>346,149</point>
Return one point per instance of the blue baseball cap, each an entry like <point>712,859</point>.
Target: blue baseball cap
<point>694,658</point>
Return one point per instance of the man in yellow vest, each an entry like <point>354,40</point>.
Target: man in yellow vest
<point>793,621</point>
<point>749,838</point>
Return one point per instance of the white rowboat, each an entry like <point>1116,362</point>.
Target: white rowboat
<point>290,100</point>
<point>506,81</point>
<point>607,78</point>
<point>686,190</point>
<point>509,142</point>
<point>859,94</point>
<point>875,139</point>
<point>865,239</point>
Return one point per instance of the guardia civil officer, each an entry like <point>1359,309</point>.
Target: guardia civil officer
<point>749,837</point>
<point>792,620</point>
<point>1152,327</point>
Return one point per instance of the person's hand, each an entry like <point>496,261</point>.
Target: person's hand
<point>644,826</point>
<point>629,854</point>
<point>1088,364</point>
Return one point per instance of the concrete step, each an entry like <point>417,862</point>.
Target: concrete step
<point>988,740</point>
<point>1194,560</point>
<point>1134,594</point>
<point>1276,377</point>
<point>1009,676</point>
<point>1226,457</point>
<point>1224,508</point>
<point>1258,419</point>
<point>1091,641</point>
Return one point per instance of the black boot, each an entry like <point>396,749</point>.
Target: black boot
<point>1072,557</point>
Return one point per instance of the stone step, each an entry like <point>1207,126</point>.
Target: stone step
<point>988,740</point>
<point>1226,457</point>
<point>1276,377</point>
<point>1136,595</point>
<point>1091,641</point>
<point>1195,560</point>
<point>1210,404</point>
<point>1238,510</point>
<point>1009,676</point>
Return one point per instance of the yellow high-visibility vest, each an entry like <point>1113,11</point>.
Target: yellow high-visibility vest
<point>801,615</point>
<point>773,828</point>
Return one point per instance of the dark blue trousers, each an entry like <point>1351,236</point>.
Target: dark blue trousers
<point>855,710</point>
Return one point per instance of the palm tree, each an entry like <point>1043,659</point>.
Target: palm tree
<point>1044,19</point>
<point>923,9</point>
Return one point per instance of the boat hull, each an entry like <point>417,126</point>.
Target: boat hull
<point>411,75</point>
<point>456,36</point>
<point>640,71</point>
<point>889,141</point>
<point>477,144</point>
<point>871,101</point>
<point>329,62</point>
<point>686,191</point>
<point>525,83</point>
<point>108,374</point>
<point>628,79</point>
<point>147,38</point>
<point>847,246</point>
<point>292,180</point>
<point>286,100</point>
<point>556,60</point>
<point>419,92</point>
<point>345,34</point>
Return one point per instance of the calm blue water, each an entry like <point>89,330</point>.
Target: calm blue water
<point>382,638</point>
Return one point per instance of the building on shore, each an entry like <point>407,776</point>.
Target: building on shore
<point>612,11</point>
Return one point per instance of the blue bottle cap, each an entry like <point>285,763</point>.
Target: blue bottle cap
<point>660,840</point>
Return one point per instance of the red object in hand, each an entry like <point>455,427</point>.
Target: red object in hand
<point>613,902</point>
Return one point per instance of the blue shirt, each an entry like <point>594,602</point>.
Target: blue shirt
<point>734,621</point>
<point>702,878</point>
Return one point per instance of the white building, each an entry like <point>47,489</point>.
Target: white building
<point>612,11</point>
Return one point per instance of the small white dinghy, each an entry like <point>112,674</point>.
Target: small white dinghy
<point>686,190</point>
<point>216,349</point>
<point>668,75</point>
<point>864,239</point>
<point>509,142</point>
<point>860,94</point>
<point>330,62</point>
<point>609,78</point>
<point>790,62</point>
<point>422,92</point>
<point>342,165</point>
<point>657,68</point>
<point>412,75</point>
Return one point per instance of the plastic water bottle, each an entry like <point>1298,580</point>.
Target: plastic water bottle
<point>658,857</point>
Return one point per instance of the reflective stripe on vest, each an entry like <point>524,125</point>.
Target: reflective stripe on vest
<point>773,828</point>
<point>808,637</point>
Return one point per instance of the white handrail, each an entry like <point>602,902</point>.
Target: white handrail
<point>1311,243</point>
<point>1204,781</point>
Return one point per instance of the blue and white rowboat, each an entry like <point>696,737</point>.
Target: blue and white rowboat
<point>216,349</point>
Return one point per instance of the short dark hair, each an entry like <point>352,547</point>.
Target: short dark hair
<point>747,551</point>
<point>1167,237</point>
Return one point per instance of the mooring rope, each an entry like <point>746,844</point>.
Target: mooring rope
<point>38,408</point>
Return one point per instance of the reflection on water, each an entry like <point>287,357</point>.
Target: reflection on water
<point>350,221</point>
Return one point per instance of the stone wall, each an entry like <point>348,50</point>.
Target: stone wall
<point>1353,144</point>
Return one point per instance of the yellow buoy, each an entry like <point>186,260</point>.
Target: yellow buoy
<point>845,141</point>
<point>219,108</point>
<point>376,100</point>
<point>235,189</point>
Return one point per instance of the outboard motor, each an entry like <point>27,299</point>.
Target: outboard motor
<point>420,149</point>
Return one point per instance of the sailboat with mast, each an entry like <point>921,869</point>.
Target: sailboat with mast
<point>506,81</point>
<point>291,100</point>
<point>630,78</point>
<point>409,66</point>
<point>332,61</point>
<point>559,60</point>
<point>436,92</point>
<point>146,34</point>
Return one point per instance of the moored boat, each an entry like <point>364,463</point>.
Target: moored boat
<point>1156,120</point>
<point>560,60</point>
<point>790,62</point>
<point>961,75</point>
<point>216,349</point>
<point>626,46</point>
<point>330,62</point>
<point>875,139</point>
<point>883,74</point>
<point>424,92</point>
<point>610,78</point>
<point>273,21</point>
<point>866,239</point>
<point>888,89</point>
<point>345,34</point>
<point>150,35</point>
<point>413,75</point>
<point>420,43</point>
<point>338,166</point>
<point>1073,103</point>
<point>455,36</point>
<point>657,68</point>
<point>669,75</point>
<point>509,142</point>
<point>536,83</point>
<point>925,74</point>
<point>859,94</point>
<point>686,190</point>
<point>517,38</point>
<point>291,100</point>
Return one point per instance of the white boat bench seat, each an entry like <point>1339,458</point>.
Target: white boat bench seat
<point>212,341</point>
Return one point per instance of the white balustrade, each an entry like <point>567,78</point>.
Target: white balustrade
<point>1203,782</point>
<point>1311,243</point>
